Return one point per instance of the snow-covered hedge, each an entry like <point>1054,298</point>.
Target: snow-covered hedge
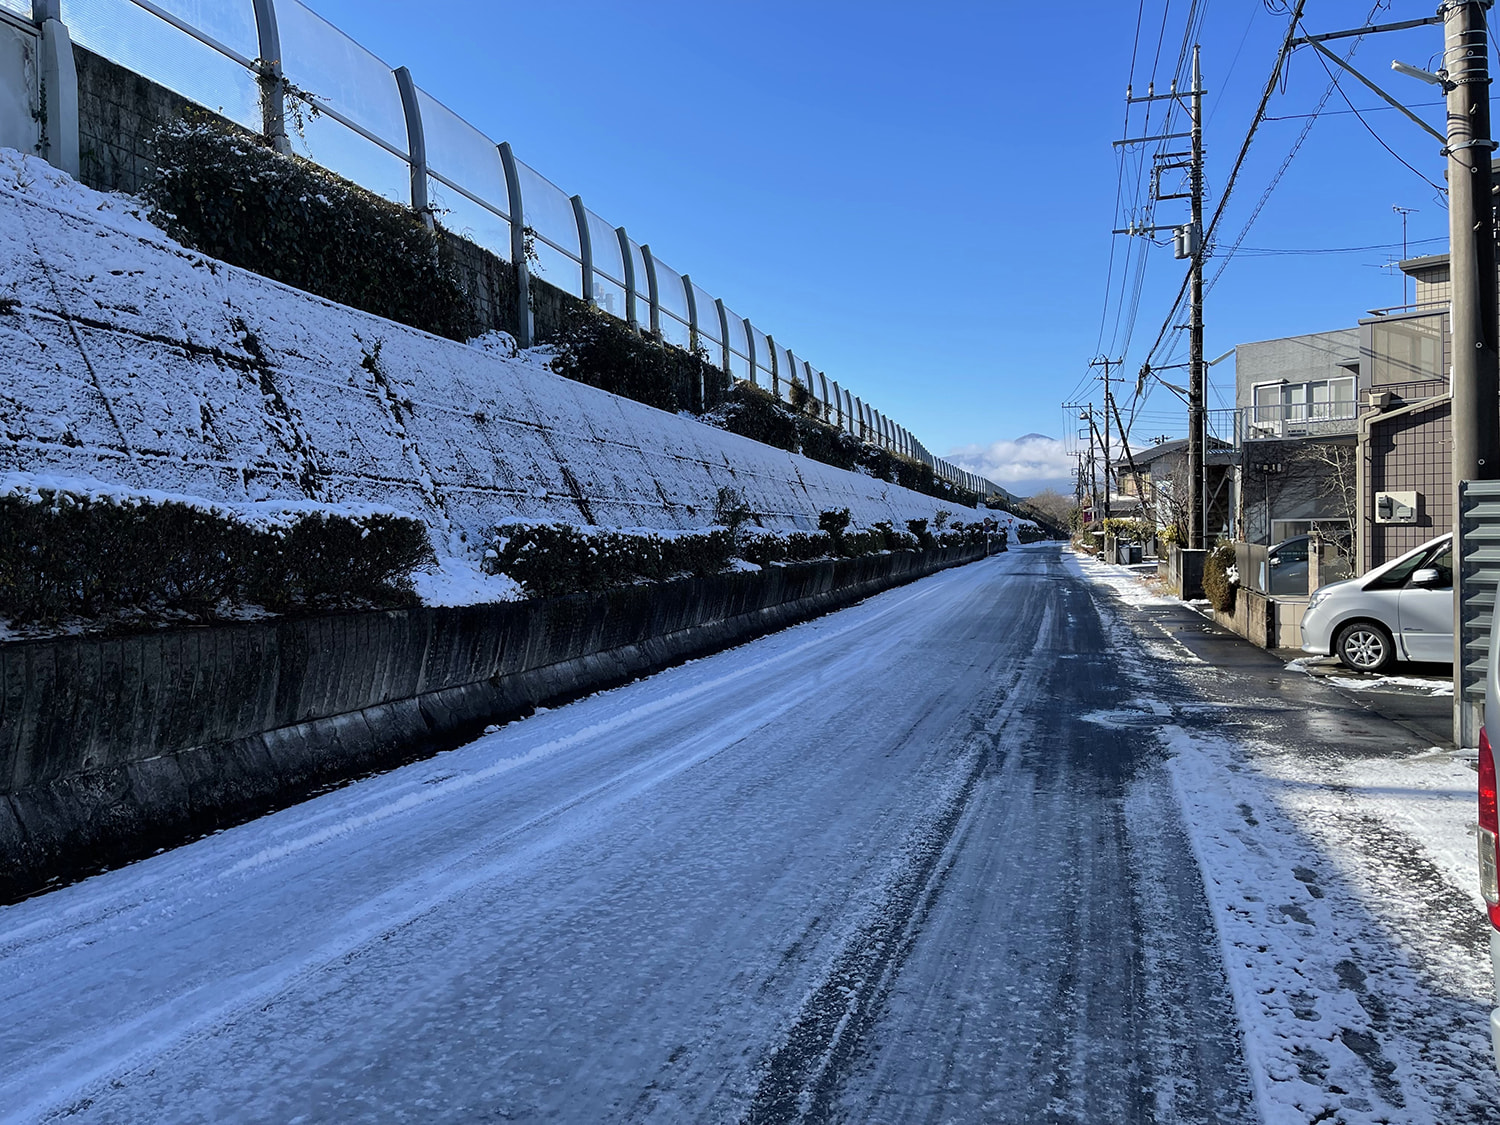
<point>222,192</point>
<point>549,559</point>
<point>70,550</point>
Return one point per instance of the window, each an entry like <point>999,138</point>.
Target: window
<point>1293,409</point>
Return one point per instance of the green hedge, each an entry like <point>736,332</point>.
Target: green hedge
<point>222,192</point>
<point>67,554</point>
<point>550,559</point>
<point>595,348</point>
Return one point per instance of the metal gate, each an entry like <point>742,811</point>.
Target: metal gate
<point>1478,575</point>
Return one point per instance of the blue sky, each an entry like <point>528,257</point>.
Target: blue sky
<point>919,200</point>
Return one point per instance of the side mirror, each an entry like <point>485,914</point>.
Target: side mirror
<point>1427,576</point>
<point>1274,560</point>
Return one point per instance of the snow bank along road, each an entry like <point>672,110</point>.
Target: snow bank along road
<point>925,860</point>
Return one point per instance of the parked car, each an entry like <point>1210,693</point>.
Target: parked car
<point>1400,611</point>
<point>1489,822</point>
<point>1286,568</point>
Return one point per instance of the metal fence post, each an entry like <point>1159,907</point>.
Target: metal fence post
<point>416,145</point>
<point>59,79</point>
<point>724,335</point>
<point>632,314</point>
<point>518,246</point>
<point>695,335</point>
<point>775,367</point>
<point>272,79</point>
<point>585,248</point>
<point>750,347</point>
<point>652,290</point>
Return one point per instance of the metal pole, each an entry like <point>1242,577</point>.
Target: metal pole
<point>416,145</point>
<point>1197,477</point>
<point>524,324</point>
<point>271,78</point>
<point>585,248</point>
<point>1471,238</point>
<point>1476,379</point>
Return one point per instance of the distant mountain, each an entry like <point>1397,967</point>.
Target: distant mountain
<point>1032,437</point>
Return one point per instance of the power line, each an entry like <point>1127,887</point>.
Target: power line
<point>1378,140</point>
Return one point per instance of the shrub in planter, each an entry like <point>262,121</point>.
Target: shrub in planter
<point>834,521</point>
<point>550,559</point>
<point>117,557</point>
<point>864,541</point>
<point>332,560</point>
<point>1217,584</point>
<point>805,546</point>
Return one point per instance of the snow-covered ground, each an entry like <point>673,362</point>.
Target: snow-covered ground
<point>991,847</point>
<point>1340,866</point>
<point>136,363</point>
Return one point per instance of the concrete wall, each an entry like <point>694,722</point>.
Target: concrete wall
<point>133,361</point>
<point>1294,359</point>
<point>1253,617</point>
<point>112,747</point>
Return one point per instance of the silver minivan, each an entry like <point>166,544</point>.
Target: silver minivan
<point>1400,611</point>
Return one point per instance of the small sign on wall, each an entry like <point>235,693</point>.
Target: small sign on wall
<point>1395,507</point>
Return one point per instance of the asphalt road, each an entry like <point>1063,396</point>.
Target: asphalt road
<point>878,867</point>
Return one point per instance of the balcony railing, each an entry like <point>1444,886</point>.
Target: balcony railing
<point>1295,420</point>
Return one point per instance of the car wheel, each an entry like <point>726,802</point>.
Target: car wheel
<point>1365,646</point>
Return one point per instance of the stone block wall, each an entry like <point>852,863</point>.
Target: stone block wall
<point>118,112</point>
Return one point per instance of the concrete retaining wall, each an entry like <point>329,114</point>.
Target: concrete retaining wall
<point>113,747</point>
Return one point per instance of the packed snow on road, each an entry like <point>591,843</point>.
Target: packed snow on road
<point>994,846</point>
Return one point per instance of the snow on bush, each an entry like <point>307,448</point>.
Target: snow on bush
<point>105,555</point>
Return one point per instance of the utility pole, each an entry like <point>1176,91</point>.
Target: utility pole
<point>1197,407</point>
<point>1471,237</point>
<point>1189,245</point>
<point>1108,402</point>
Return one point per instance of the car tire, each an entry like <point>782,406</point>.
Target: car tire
<point>1365,646</point>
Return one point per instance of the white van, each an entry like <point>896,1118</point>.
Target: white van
<point>1400,611</point>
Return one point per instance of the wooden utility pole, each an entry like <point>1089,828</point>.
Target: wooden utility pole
<point>1471,237</point>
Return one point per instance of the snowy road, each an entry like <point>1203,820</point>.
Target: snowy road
<point>920,860</point>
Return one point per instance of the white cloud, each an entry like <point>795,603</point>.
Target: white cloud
<point>1025,465</point>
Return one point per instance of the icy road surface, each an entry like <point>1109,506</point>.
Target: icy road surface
<point>923,860</point>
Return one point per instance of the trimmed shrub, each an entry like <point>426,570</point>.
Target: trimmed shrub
<point>1216,584</point>
<point>918,529</point>
<point>66,554</point>
<point>834,521</point>
<point>222,192</point>
<point>1029,533</point>
<point>751,412</point>
<point>550,559</point>
<point>595,348</point>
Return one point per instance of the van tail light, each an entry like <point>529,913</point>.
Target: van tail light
<point>1489,831</point>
